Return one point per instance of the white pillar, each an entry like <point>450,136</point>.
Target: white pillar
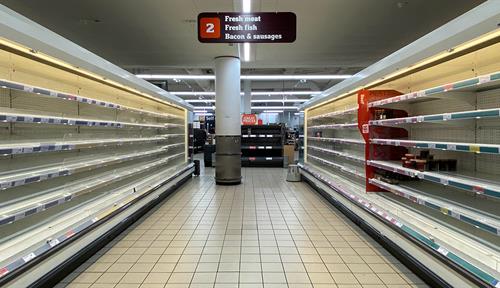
<point>227,120</point>
<point>246,99</point>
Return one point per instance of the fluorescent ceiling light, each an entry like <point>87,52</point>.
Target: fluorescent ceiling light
<point>204,114</point>
<point>178,77</point>
<point>200,101</point>
<point>186,93</point>
<point>246,52</point>
<point>293,77</point>
<point>273,111</point>
<point>205,107</point>
<point>287,93</point>
<point>244,77</point>
<point>277,100</point>
<point>247,6</point>
<point>274,107</point>
<point>253,101</point>
<point>257,93</point>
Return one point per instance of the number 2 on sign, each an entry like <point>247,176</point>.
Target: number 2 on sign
<point>210,28</point>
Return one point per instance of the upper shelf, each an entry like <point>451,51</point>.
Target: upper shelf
<point>462,115</point>
<point>471,184</point>
<point>14,148</point>
<point>21,208</point>
<point>451,146</point>
<point>338,166</point>
<point>338,153</point>
<point>347,111</point>
<point>21,177</point>
<point>65,96</point>
<point>261,135</point>
<point>338,140</point>
<point>44,119</point>
<point>475,83</point>
<point>487,222</point>
<point>335,126</point>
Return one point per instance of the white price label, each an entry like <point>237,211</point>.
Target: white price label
<point>431,145</point>
<point>29,257</point>
<point>28,89</point>
<point>451,147</point>
<point>447,116</point>
<point>443,181</point>
<point>420,118</point>
<point>53,242</point>
<point>53,94</point>
<point>420,93</point>
<point>484,79</point>
<point>17,150</point>
<point>443,251</point>
<point>28,150</point>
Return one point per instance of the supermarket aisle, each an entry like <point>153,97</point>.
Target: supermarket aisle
<point>264,233</point>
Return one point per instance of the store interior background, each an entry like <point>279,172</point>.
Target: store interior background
<point>155,40</point>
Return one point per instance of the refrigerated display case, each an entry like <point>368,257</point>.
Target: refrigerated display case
<point>81,152</point>
<point>412,142</point>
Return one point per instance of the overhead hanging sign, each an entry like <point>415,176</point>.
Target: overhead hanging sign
<point>266,27</point>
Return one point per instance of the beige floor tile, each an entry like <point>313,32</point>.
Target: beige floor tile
<point>297,277</point>
<point>274,277</point>
<point>367,278</point>
<point>157,278</point>
<point>392,278</point>
<point>133,278</point>
<point>180,277</point>
<point>87,277</point>
<point>359,268</point>
<point>344,278</point>
<point>110,278</point>
<point>316,267</point>
<point>320,278</point>
<point>259,234</point>
<point>204,277</point>
<point>227,277</point>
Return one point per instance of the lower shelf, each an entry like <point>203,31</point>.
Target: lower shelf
<point>469,258</point>
<point>262,161</point>
<point>55,232</point>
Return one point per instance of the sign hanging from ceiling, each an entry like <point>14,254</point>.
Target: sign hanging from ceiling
<point>265,27</point>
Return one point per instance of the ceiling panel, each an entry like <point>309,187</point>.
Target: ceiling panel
<point>162,33</point>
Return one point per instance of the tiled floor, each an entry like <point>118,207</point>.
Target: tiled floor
<point>264,233</point>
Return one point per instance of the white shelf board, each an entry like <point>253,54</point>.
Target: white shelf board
<point>27,206</point>
<point>473,217</point>
<point>26,176</point>
<point>338,140</point>
<point>25,147</point>
<point>455,180</point>
<point>450,146</point>
<point>338,153</point>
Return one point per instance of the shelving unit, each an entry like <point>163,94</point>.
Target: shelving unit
<point>78,152</point>
<point>262,145</point>
<point>362,139</point>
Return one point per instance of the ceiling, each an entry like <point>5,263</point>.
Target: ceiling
<point>159,36</point>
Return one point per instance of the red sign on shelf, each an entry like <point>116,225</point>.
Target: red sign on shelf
<point>248,119</point>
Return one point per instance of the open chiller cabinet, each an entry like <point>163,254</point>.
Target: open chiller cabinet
<point>420,149</point>
<point>75,151</point>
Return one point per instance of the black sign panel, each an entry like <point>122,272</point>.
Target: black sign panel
<point>266,27</point>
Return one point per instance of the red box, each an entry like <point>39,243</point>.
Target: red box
<point>210,28</point>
